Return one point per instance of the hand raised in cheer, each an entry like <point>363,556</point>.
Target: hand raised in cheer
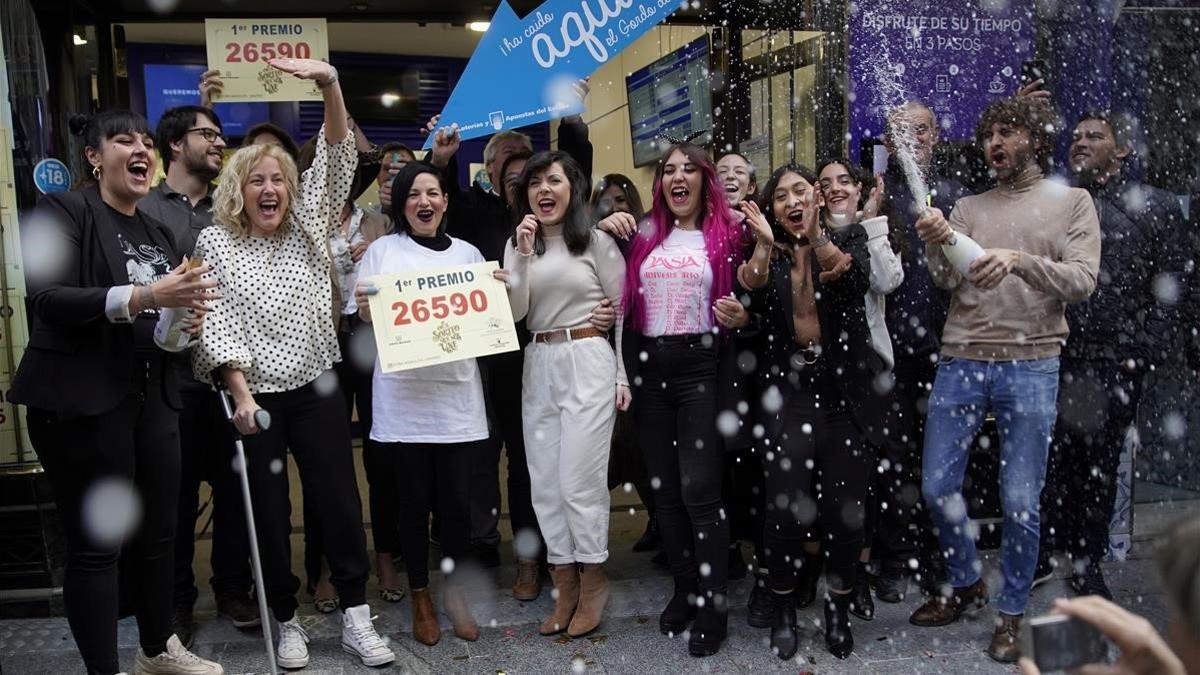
<point>526,233</point>
<point>211,86</point>
<point>876,198</point>
<point>318,71</point>
<point>758,222</point>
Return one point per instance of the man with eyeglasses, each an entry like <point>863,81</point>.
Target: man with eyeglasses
<point>192,147</point>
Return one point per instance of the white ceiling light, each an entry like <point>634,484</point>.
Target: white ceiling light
<point>479,26</point>
<point>388,100</point>
<point>78,40</point>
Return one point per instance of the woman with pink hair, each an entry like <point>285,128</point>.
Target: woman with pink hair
<point>680,313</point>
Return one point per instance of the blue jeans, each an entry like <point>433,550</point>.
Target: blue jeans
<point>1022,396</point>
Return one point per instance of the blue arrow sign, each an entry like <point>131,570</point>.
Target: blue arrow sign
<point>523,70</point>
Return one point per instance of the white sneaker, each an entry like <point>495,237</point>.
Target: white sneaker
<point>292,649</point>
<point>177,660</point>
<point>359,637</point>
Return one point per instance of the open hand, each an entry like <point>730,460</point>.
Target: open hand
<point>306,69</point>
<point>184,287</point>
<point>875,199</point>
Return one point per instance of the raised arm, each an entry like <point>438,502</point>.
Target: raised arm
<point>886,271</point>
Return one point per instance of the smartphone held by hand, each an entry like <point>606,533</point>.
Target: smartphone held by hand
<point>1058,642</point>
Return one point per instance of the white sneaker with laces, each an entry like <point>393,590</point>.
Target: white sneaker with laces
<point>359,637</point>
<point>177,660</point>
<point>292,650</point>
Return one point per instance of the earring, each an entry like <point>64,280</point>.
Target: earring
<point>96,172</point>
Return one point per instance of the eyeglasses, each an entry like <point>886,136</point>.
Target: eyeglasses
<point>211,135</point>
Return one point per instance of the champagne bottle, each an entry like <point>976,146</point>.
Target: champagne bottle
<point>961,251</point>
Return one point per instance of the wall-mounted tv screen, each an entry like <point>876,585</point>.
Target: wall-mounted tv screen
<point>381,94</point>
<point>168,86</point>
<point>671,96</point>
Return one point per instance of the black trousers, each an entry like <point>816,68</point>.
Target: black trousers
<point>903,530</point>
<point>502,382</point>
<point>124,462</point>
<point>818,467</point>
<point>314,427</point>
<point>354,373</point>
<point>677,409</point>
<point>744,492</point>
<point>1097,403</point>
<point>206,454</point>
<point>432,475</point>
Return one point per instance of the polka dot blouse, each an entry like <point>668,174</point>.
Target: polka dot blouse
<point>273,320</point>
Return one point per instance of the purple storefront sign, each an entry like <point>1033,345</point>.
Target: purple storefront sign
<point>955,56</point>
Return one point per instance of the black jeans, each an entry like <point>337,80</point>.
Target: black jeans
<point>429,472</point>
<point>677,411</point>
<point>502,381</point>
<point>904,531</point>
<point>314,427</point>
<point>354,373</point>
<point>1097,403</point>
<point>206,453</point>
<point>818,467</point>
<point>744,492</point>
<point>96,465</point>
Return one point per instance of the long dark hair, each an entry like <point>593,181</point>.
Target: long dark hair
<point>866,182</point>
<point>627,187</point>
<point>766,199</point>
<point>403,183</point>
<point>577,221</point>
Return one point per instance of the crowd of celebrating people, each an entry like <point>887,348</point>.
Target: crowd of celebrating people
<point>788,358</point>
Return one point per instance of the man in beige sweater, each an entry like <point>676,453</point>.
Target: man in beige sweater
<point>1000,352</point>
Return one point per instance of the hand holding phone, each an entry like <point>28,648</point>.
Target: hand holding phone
<point>1059,642</point>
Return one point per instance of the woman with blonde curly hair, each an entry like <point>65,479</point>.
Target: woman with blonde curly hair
<point>272,339</point>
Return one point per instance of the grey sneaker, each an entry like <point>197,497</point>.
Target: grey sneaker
<point>175,661</point>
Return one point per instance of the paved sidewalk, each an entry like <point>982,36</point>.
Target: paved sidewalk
<point>628,641</point>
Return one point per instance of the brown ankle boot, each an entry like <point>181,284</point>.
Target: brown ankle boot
<point>940,610</point>
<point>527,586</point>
<point>1004,647</point>
<point>566,598</point>
<point>593,596</point>
<point>425,623</point>
<point>464,624</point>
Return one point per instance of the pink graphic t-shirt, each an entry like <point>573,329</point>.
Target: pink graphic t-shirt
<point>676,286</point>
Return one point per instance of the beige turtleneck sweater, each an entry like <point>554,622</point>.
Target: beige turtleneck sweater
<point>1056,231</point>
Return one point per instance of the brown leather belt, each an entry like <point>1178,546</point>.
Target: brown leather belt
<point>563,335</point>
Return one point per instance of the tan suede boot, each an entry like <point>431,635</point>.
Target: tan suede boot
<point>425,623</point>
<point>593,596</point>
<point>527,587</point>
<point>459,612</point>
<point>566,597</point>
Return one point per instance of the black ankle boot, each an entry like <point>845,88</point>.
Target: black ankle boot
<point>650,538</point>
<point>681,609</point>
<point>711,625</point>
<point>785,639</point>
<point>838,639</point>
<point>759,608</point>
<point>810,576</point>
<point>862,605</point>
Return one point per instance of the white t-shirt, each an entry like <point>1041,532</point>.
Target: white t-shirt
<point>677,286</point>
<point>435,404</point>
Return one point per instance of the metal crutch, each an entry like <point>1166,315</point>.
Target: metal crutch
<point>263,419</point>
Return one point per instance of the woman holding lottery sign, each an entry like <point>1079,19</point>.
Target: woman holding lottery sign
<point>274,342</point>
<point>428,422</point>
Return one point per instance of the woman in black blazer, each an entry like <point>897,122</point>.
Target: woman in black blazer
<point>102,402</point>
<point>817,374</point>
